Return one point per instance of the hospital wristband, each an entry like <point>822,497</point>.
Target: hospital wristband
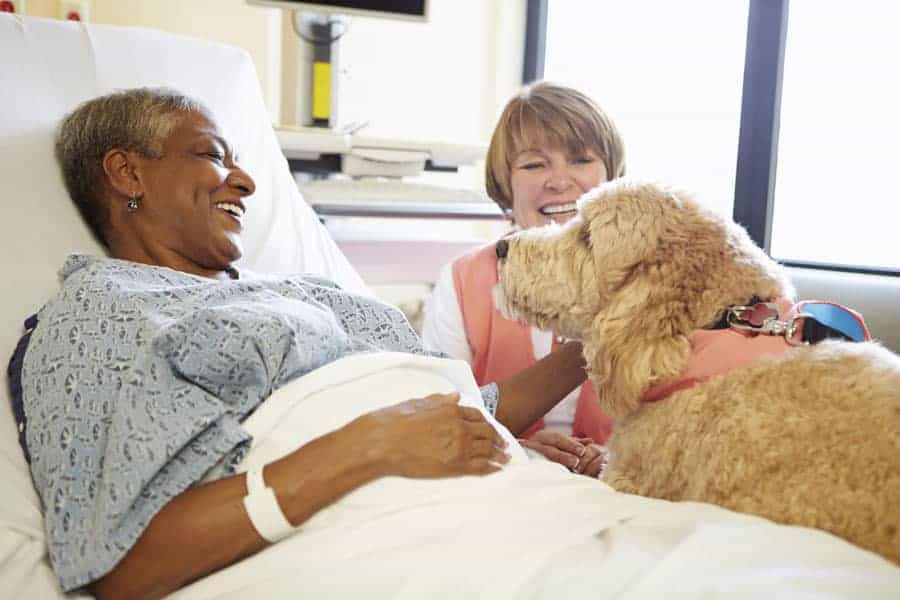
<point>263,509</point>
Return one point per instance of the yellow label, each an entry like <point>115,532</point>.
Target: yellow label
<point>321,90</point>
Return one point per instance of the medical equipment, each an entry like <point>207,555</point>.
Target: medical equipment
<point>416,10</point>
<point>323,145</point>
<point>329,150</point>
<point>371,190</point>
<point>324,31</point>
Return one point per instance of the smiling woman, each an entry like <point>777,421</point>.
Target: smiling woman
<point>189,217</point>
<point>547,181</point>
<point>551,145</point>
<point>169,193</point>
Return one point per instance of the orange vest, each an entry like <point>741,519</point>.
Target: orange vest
<point>501,348</point>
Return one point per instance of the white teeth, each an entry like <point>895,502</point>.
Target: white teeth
<point>559,208</point>
<point>232,209</point>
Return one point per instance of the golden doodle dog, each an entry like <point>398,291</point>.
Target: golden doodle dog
<point>691,342</point>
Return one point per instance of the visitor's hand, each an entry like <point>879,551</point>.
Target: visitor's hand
<point>433,437</point>
<point>558,447</point>
<point>594,458</point>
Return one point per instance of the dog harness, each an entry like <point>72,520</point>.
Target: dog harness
<point>750,332</point>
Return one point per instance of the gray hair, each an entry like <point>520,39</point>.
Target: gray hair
<point>137,120</point>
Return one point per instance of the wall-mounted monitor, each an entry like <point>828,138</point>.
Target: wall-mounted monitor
<point>415,10</point>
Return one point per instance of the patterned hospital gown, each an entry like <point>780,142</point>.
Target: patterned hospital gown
<point>136,379</point>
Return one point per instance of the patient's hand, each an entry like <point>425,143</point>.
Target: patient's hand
<point>434,437</point>
<point>579,455</point>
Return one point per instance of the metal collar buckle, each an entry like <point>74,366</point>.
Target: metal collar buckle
<point>765,318</point>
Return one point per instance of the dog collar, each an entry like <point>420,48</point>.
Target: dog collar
<point>760,329</point>
<point>807,322</point>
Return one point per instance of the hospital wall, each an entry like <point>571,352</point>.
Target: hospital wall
<point>444,79</point>
<point>227,21</point>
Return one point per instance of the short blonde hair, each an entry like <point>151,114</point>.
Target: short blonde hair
<point>137,119</point>
<point>549,114</point>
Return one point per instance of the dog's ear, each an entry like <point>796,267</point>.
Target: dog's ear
<point>640,339</point>
<point>641,335</point>
<point>622,222</point>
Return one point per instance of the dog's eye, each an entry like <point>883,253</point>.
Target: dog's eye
<point>584,234</point>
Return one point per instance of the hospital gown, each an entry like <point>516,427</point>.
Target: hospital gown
<point>136,379</point>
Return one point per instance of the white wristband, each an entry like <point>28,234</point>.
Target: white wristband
<point>262,508</point>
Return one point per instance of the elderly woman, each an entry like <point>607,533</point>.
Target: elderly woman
<point>140,370</point>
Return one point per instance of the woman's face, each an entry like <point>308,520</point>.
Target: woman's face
<point>546,182</point>
<point>193,201</point>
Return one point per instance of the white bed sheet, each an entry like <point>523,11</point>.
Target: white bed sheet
<point>533,530</point>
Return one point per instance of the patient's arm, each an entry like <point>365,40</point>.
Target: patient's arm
<point>531,393</point>
<point>206,527</point>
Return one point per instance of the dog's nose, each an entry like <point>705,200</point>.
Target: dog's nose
<point>502,248</point>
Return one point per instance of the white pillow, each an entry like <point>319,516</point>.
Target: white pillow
<point>49,67</point>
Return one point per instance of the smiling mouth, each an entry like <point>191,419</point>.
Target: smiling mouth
<point>558,209</point>
<point>235,210</point>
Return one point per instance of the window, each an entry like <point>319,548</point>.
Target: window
<point>825,106</point>
<point>836,198</point>
<point>669,74</point>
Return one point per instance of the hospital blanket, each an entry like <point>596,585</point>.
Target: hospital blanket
<point>531,531</point>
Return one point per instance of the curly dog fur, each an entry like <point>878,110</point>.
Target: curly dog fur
<point>810,438</point>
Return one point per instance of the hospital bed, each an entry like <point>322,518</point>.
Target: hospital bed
<point>531,531</point>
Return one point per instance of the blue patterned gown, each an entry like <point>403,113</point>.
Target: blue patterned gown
<point>136,379</point>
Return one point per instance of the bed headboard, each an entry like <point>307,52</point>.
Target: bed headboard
<point>49,67</point>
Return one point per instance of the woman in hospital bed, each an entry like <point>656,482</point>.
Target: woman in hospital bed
<point>160,351</point>
<point>147,373</point>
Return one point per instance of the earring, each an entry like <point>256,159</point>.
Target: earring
<point>133,203</point>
